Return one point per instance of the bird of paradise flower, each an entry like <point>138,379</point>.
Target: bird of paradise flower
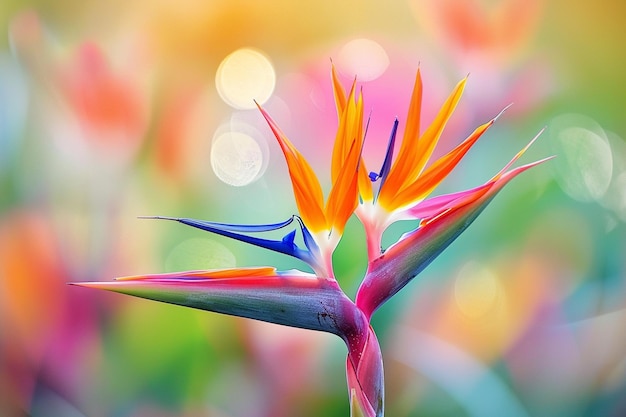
<point>315,300</point>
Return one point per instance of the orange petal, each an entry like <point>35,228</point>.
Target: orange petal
<point>350,129</point>
<point>263,271</point>
<point>411,163</point>
<point>438,171</point>
<point>427,142</point>
<point>349,122</point>
<point>407,154</point>
<point>346,166</point>
<point>339,93</point>
<point>365,184</point>
<point>343,198</point>
<point>412,129</point>
<point>341,141</point>
<point>306,187</point>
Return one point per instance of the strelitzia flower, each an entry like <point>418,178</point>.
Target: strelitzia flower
<point>315,300</point>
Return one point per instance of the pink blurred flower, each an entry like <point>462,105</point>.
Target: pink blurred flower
<point>45,327</point>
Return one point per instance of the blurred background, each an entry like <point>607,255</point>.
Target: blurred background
<point>113,110</point>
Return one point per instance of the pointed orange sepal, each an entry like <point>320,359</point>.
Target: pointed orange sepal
<point>438,171</point>
<point>347,166</point>
<point>306,187</point>
<point>263,271</point>
<point>349,129</point>
<point>415,152</point>
<point>343,198</point>
<point>338,92</point>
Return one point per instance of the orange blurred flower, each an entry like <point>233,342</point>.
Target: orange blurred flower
<point>32,297</point>
<point>107,105</point>
<point>498,29</point>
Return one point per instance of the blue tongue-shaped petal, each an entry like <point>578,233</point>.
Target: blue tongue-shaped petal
<point>286,245</point>
<point>384,170</point>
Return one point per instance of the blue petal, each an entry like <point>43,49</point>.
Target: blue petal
<point>384,170</point>
<point>289,238</point>
<point>286,245</point>
<point>308,238</point>
<point>244,228</point>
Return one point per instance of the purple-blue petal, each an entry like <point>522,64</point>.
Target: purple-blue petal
<point>286,245</point>
<point>386,167</point>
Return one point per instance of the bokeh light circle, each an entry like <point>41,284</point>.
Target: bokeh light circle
<point>615,196</point>
<point>237,158</point>
<point>13,107</point>
<point>199,254</point>
<point>364,58</point>
<point>476,290</point>
<point>584,162</point>
<point>244,76</point>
